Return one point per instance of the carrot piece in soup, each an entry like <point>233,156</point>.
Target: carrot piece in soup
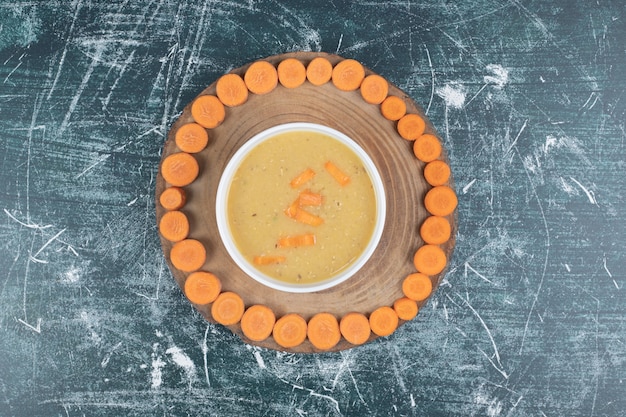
<point>302,178</point>
<point>341,177</point>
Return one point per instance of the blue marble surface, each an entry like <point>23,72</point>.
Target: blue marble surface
<point>530,100</point>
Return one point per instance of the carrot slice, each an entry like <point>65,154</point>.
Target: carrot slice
<point>435,230</point>
<point>305,217</point>
<point>323,331</point>
<point>180,169</point>
<point>202,287</point>
<point>417,286</point>
<point>405,308</point>
<point>227,308</point>
<point>309,198</point>
<point>348,75</point>
<point>293,208</point>
<point>191,138</point>
<point>268,259</point>
<point>411,126</point>
<point>355,328</point>
<point>430,260</point>
<point>261,77</point>
<point>290,330</point>
<point>173,198</point>
<point>291,73</point>
<point>188,255</point>
<point>440,200</point>
<point>257,322</point>
<point>302,178</point>
<point>231,90</point>
<point>383,321</point>
<point>208,111</point>
<point>374,89</point>
<point>427,148</point>
<point>174,226</point>
<point>319,71</point>
<point>341,177</point>
<point>393,108</point>
<point>296,241</point>
<point>436,173</point>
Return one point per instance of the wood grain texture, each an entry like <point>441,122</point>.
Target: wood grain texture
<point>529,99</point>
<point>379,281</point>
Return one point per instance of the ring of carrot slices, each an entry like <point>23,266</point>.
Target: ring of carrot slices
<point>258,322</point>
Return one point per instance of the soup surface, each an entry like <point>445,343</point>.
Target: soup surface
<point>295,226</point>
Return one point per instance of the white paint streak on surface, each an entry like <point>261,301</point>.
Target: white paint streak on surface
<point>453,95</point>
<point>590,195</point>
<point>156,375</point>
<point>499,75</point>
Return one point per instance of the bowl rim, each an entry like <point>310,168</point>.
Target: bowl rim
<point>221,202</point>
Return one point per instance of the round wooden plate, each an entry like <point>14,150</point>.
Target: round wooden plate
<point>379,282</point>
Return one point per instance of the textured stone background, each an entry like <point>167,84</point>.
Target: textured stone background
<point>529,98</point>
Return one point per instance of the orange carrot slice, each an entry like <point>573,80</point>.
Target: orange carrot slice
<point>180,169</point>
<point>411,126</point>
<point>417,286</point>
<point>173,198</point>
<point>305,217</point>
<point>227,308</point>
<point>374,89</point>
<point>174,226</point>
<point>383,321</point>
<point>290,330</point>
<point>440,200</point>
<point>436,173</point>
<point>355,328</point>
<point>208,111</point>
<point>268,259</point>
<point>435,230</point>
<point>296,241</point>
<point>261,77</point>
<point>319,71</point>
<point>257,322</point>
<point>291,73</point>
<point>430,260</point>
<point>427,148</point>
<point>405,308</point>
<point>341,177</point>
<point>202,287</point>
<point>188,255</point>
<point>393,108</point>
<point>348,75</point>
<point>302,178</point>
<point>323,331</point>
<point>231,90</point>
<point>309,198</point>
<point>191,138</point>
<point>293,208</point>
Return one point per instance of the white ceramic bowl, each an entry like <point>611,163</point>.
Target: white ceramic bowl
<point>222,212</point>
